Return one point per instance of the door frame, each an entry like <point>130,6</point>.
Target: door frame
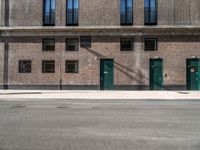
<point>150,73</point>
<point>102,87</point>
<point>188,84</point>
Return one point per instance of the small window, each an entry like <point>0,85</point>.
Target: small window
<point>72,45</point>
<point>150,44</point>
<point>126,44</point>
<point>24,66</point>
<point>71,66</point>
<point>85,41</point>
<point>48,44</point>
<point>48,66</point>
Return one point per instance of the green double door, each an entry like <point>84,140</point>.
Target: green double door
<point>106,74</point>
<point>193,74</point>
<point>156,74</point>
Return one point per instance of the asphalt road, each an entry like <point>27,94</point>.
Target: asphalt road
<point>100,125</point>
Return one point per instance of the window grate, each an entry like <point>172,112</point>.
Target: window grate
<point>126,44</point>
<point>24,66</point>
<point>48,45</point>
<point>150,44</point>
<point>48,66</point>
<point>71,66</point>
<point>72,44</point>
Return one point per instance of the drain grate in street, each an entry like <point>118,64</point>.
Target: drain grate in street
<point>63,107</point>
<point>19,106</point>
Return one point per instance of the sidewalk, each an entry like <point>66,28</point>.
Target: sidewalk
<point>46,94</point>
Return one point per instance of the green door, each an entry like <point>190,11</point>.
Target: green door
<point>106,74</point>
<point>193,74</point>
<point>156,74</point>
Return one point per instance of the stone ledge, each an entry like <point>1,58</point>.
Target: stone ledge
<point>99,30</point>
<point>19,28</point>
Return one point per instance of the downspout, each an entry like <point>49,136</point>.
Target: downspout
<point>60,51</point>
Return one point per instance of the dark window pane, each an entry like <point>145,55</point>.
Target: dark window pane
<point>126,44</point>
<point>146,4</point>
<point>76,16</point>
<point>85,41</point>
<point>71,66</point>
<point>69,18</point>
<point>150,44</point>
<point>76,4</point>
<point>48,44</point>
<point>49,10</point>
<point>25,66</point>
<point>48,66</point>
<point>153,5</point>
<point>72,45</point>
<point>126,12</point>
<point>129,18</point>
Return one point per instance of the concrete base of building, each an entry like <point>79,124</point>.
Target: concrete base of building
<point>89,87</point>
<point>54,87</point>
<point>175,87</point>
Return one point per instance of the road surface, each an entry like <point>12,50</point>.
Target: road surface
<point>48,124</point>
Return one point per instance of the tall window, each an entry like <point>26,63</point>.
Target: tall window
<point>126,12</point>
<point>150,11</point>
<point>72,12</point>
<point>49,11</point>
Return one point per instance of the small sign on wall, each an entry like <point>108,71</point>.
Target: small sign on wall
<point>192,70</point>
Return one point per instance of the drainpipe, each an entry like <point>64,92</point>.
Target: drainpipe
<point>60,50</point>
<point>6,12</point>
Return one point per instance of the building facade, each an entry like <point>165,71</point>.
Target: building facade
<point>100,44</point>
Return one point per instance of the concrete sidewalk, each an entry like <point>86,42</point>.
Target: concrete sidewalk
<point>46,94</point>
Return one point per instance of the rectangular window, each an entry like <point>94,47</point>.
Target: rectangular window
<point>49,10</point>
<point>24,66</point>
<point>72,44</point>
<point>85,41</point>
<point>150,12</point>
<point>126,44</point>
<point>48,66</point>
<point>72,13</point>
<point>71,66</point>
<point>150,44</point>
<point>48,44</point>
<point>126,12</point>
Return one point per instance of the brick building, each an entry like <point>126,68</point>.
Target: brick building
<point>100,44</point>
